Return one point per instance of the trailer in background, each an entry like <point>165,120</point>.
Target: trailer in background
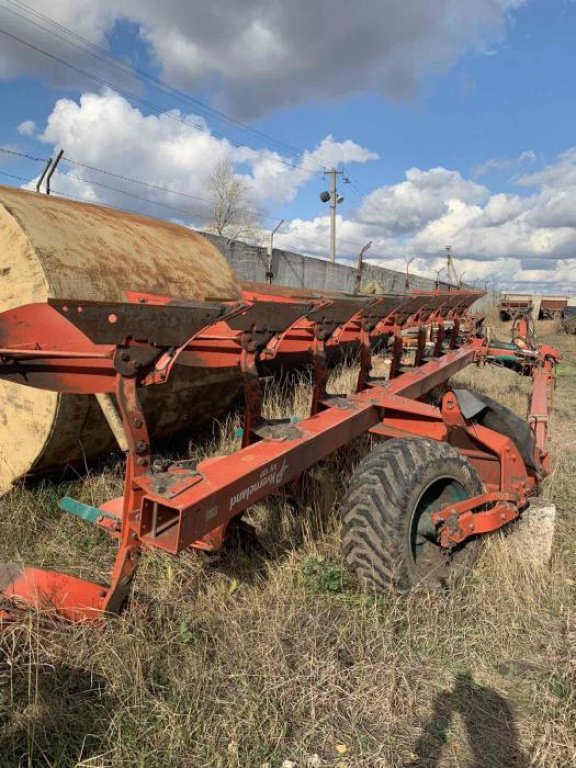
<point>552,307</point>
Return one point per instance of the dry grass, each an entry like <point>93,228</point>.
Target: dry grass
<point>251,659</point>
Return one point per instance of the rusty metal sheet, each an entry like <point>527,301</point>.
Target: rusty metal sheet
<point>382,308</point>
<point>454,301</point>
<point>106,322</point>
<point>272,316</point>
<point>434,303</point>
<point>339,311</point>
<point>412,305</point>
<point>465,301</point>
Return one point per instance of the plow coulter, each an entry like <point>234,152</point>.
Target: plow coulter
<point>441,476</point>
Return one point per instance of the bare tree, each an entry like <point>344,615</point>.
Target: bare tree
<point>232,213</point>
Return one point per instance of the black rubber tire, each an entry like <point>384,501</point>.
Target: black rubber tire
<point>379,510</point>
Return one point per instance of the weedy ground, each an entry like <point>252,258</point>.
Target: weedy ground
<point>250,659</point>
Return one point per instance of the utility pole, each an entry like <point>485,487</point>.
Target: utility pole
<point>332,197</point>
<point>269,273</point>
<point>359,265</point>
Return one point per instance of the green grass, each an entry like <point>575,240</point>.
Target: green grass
<point>247,659</point>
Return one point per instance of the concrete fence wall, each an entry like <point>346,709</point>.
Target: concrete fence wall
<point>250,262</point>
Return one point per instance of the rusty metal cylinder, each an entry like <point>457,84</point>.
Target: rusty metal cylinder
<point>55,248</point>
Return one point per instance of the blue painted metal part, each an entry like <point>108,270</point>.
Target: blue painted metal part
<point>81,510</point>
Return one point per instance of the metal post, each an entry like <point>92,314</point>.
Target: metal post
<point>449,265</point>
<point>43,176</point>
<point>438,277</point>
<point>59,157</point>
<point>407,281</point>
<point>359,265</point>
<point>269,273</point>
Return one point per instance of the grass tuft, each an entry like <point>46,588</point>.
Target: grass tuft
<point>254,658</point>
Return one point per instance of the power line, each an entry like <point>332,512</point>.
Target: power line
<point>171,191</point>
<point>110,188</point>
<point>122,191</point>
<point>7,151</point>
<point>319,247</point>
<point>367,202</point>
<point>17,178</point>
<point>101,53</point>
<point>187,213</point>
<point>130,96</point>
<point>135,197</point>
<point>125,178</point>
<point>156,187</point>
<point>316,245</point>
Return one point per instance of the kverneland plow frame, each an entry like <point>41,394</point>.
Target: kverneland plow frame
<point>441,478</point>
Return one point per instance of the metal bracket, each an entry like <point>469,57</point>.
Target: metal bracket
<point>320,370</point>
<point>253,397</point>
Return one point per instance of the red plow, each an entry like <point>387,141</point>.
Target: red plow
<point>443,476</point>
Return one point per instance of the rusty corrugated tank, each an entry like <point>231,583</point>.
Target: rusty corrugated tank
<point>56,248</point>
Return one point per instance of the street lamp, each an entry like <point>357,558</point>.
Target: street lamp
<point>269,273</point>
<point>359,266</point>
<point>461,278</point>
<point>407,282</point>
<point>438,271</point>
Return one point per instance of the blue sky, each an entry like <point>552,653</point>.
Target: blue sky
<point>454,119</point>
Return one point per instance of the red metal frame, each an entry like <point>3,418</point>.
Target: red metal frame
<point>92,347</point>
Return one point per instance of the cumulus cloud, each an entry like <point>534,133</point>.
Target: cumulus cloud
<point>503,164</point>
<point>27,128</point>
<point>34,28</point>
<point>558,175</point>
<point>424,197</point>
<point>263,54</point>
<point>174,153</point>
<point>508,238</point>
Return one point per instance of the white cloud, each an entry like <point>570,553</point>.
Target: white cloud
<point>173,152</point>
<point>513,241</point>
<point>27,128</point>
<point>424,197</point>
<point>558,175</point>
<point>504,163</point>
<point>508,238</point>
<point>273,178</point>
<point>93,20</point>
<point>263,54</point>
